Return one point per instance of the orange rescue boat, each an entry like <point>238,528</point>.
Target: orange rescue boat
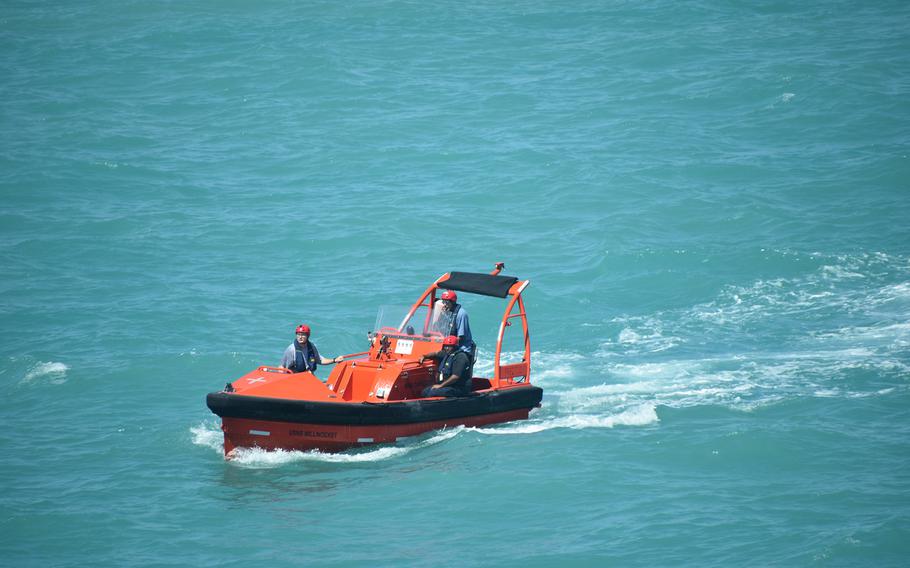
<point>375,397</point>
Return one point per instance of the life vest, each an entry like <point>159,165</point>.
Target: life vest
<point>305,362</point>
<point>445,370</point>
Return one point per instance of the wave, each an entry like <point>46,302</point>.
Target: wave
<point>55,372</point>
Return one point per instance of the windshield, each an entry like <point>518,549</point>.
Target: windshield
<point>393,319</point>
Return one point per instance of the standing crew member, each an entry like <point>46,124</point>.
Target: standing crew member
<point>302,355</point>
<point>460,326</point>
<point>454,370</point>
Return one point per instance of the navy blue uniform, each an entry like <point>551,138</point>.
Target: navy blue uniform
<point>454,363</point>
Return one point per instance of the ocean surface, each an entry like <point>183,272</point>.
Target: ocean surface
<point>711,201</point>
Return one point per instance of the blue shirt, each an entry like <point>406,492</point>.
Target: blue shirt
<point>462,329</point>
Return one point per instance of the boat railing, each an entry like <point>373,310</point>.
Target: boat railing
<point>513,373</point>
<point>355,355</point>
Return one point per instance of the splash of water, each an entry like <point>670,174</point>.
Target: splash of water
<point>56,372</point>
<point>210,436</point>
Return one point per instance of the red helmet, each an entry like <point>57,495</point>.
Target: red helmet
<point>450,340</point>
<point>303,328</point>
<point>450,295</point>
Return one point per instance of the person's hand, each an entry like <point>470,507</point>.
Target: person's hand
<point>339,359</point>
<point>420,361</point>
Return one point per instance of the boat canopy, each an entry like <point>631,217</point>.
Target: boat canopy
<point>477,283</point>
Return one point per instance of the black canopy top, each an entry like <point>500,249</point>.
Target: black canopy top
<point>477,283</point>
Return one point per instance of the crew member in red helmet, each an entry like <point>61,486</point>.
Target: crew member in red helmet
<point>302,355</point>
<point>454,377</point>
<point>460,325</point>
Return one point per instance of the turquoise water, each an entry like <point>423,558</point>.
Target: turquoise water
<point>710,201</point>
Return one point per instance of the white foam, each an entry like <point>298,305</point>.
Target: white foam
<point>629,336</point>
<point>699,386</point>
<point>797,358</point>
<point>891,365</point>
<point>831,286</point>
<point>606,397</point>
<point>897,291</point>
<point>666,369</point>
<point>743,381</point>
<point>857,288</point>
<point>562,372</point>
<point>559,365</point>
<point>827,393</point>
<point>56,372</point>
<point>898,332</point>
<point>544,366</point>
<point>840,272</point>
<point>646,336</point>
<point>210,436</point>
<point>637,416</point>
<point>257,458</point>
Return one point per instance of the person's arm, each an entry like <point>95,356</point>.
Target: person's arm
<point>324,360</point>
<point>461,325</point>
<point>288,358</point>
<point>434,355</point>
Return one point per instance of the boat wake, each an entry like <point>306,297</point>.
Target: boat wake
<point>838,330</point>
<point>637,416</point>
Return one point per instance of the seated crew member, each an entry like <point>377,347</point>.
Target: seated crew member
<point>460,325</point>
<point>454,370</point>
<point>302,355</point>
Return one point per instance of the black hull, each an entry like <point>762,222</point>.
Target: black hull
<point>229,405</point>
